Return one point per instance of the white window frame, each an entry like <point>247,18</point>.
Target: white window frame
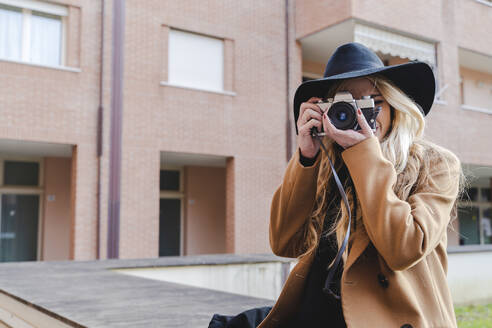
<point>222,91</point>
<point>168,194</point>
<point>27,190</point>
<point>27,7</point>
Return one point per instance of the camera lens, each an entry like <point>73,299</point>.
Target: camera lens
<point>342,115</point>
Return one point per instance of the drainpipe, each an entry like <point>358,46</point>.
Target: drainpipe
<point>116,126</point>
<point>288,129</point>
<point>100,111</point>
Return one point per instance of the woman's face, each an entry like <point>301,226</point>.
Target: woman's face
<point>364,87</point>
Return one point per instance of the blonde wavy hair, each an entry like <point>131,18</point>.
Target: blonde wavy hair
<point>404,146</point>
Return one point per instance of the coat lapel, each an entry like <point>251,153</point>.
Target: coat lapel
<point>359,244</point>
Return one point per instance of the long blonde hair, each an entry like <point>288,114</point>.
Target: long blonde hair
<point>404,146</point>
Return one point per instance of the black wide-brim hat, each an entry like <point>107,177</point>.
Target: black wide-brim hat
<point>353,60</point>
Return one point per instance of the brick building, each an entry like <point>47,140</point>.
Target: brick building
<point>206,118</point>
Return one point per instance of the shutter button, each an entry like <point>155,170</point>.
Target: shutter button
<point>383,281</point>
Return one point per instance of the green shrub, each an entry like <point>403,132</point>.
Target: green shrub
<point>474,316</point>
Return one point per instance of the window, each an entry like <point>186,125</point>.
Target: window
<point>10,32</point>
<point>475,216</point>
<point>195,61</point>
<point>45,39</point>
<point>32,31</point>
<point>21,173</point>
<point>170,180</point>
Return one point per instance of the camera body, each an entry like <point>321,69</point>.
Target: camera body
<point>342,110</point>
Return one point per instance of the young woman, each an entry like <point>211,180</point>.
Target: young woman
<point>371,239</point>
<point>401,190</point>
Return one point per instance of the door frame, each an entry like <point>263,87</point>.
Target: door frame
<point>175,195</point>
<point>29,190</point>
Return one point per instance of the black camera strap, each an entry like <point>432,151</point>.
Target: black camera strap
<point>333,268</point>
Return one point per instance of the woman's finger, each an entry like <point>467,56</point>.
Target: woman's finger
<point>315,122</point>
<point>309,114</point>
<point>328,127</point>
<point>310,124</point>
<point>366,129</point>
<point>308,105</point>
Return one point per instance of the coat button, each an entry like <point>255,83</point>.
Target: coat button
<point>383,281</point>
<point>407,325</point>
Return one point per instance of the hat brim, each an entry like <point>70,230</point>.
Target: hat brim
<point>416,79</point>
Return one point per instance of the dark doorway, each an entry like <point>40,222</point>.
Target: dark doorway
<point>169,226</point>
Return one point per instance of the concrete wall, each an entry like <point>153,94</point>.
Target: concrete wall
<point>56,217</point>
<point>313,15</point>
<point>470,277</point>
<point>205,210</point>
<point>263,280</point>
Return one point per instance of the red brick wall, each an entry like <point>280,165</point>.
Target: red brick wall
<point>60,106</point>
<point>56,217</point>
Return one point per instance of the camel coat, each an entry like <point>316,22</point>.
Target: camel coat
<point>395,272</point>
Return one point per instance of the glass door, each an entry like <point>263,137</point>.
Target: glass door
<point>19,227</point>
<point>469,225</point>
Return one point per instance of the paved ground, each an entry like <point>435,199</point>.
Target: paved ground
<point>91,295</point>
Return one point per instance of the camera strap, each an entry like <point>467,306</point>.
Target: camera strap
<point>334,268</point>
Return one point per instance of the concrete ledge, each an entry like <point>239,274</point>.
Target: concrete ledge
<point>469,249</point>
<point>477,109</point>
<point>223,92</point>
<point>56,67</point>
<point>16,313</point>
<point>205,259</point>
<point>90,294</point>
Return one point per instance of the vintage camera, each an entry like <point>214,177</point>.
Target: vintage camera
<point>342,110</point>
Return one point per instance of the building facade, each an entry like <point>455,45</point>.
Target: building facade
<point>206,124</point>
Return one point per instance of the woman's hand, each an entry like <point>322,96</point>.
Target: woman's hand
<point>348,138</point>
<point>309,116</point>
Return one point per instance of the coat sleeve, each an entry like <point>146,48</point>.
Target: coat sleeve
<point>402,232</point>
<point>292,204</point>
